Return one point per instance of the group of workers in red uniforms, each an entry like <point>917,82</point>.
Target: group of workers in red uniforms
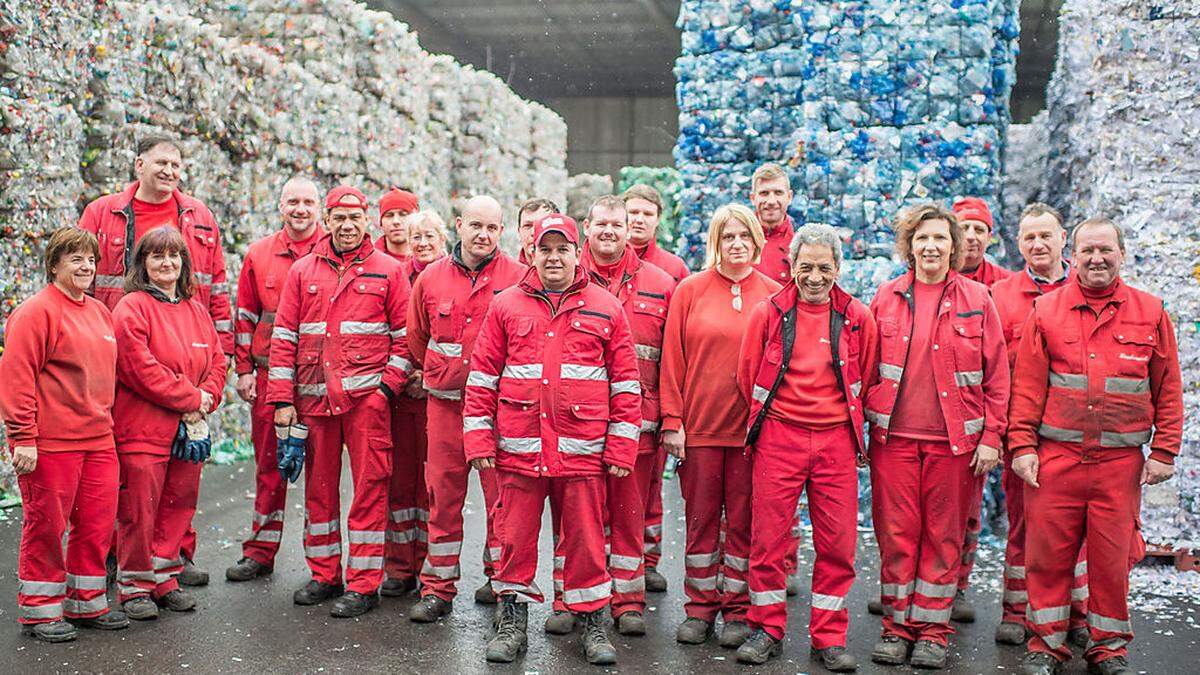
<point>567,376</point>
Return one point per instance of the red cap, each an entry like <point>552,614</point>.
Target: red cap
<point>344,195</point>
<point>397,199</point>
<point>973,208</point>
<point>556,222</point>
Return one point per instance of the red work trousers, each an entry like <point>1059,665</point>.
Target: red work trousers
<point>154,511</point>
<point>365,431</point>
<point>1099,502</point>
<point>788,460</point>
<point>652,546</point>
<point>75,489</point>
<point>270,490</point>
<point>970,544</point>
<point>716,481</point>
<point>920,494</point>
<point>408,533</point>
<point>446,474</point>
<point>578,500</point>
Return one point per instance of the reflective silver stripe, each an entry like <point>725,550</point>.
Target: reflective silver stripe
<point>579,446</point>
<point>759,394</point>
<point>477,424</point>
<point>397,361</point>
<point>311,389</point>
<point>365,562</point>
<point>363,328</point>
<point>137,575</point>
<point>878,420</point>
<point>856,389</point>
<point>560,561</point>
<point>281,373</point>
<point>51,611</point>
<point>281,333</point>
<point>628,563</point>
<point>651,548</point>
<point>404,536</point>
<point>521,446</point>
<point>968,378</point>
<point>735,585</point>
<point>1113,439</point>
<point>575,371</point>
<point>313,328</point>
<point>829,603</point>
<point>1056,434</point>
<point>634,585</point>
<point>275,536</point>
<point>110,281</point>
<point>1110,643</point>
<point>1068,380</point>
<point>446,548</point>
<point>398,333</point>
<point>450,349</point>
<point>935,590</point>
<point>1126,385</point>
<point>528,371</point>
<point>530,593</point>
<point>247,315</point>
<point>624,430</point>
<point>224,325</point>
<point>362,381</point>
<point>132,590</point>
<point>891,372</point>
<point>87,583</point>
<point>1048,614</point>
<point>701,559</point>
<point>478,379</point>
<point>165,563</point>
<point>1081,568</point>
<point>96,604</point>
<point>1016,596</point>
<point>897,590</point>
<point>625,387</point>
<point>737,563</point>
<point>972,427</point>
<point>1079,594</point>
<point>204,278</point>
<point>1014,572</point>
<point>918,613</point>
<point>573,596</point>
<point>365,536</point>
<point>323,528</point>
<point>401,515</point>
<point>325,551</point>
<point>243,338</point>
<point>1055,640</point>
<point>763,598</point>
<point>47,589</point>
<point>443,572</point>
<point>649,427</point>
<point>648,353</point>
<point>492,554</point>
<point>445,394</point>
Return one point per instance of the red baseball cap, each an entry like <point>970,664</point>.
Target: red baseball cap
<point>556,222</point>
<point>973,208</point>
<point>344,195</point>
<point>397,199</point>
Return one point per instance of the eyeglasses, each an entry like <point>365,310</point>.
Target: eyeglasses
<point>736,289</point>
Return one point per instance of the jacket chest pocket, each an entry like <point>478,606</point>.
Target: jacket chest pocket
<point>369,295</point>
<point>966,332</point>
<point>774,353</point>
<point>585,339</point>
<point>852,340</point>
<point>203,244</point>
<point>892,344</point>
<point>1135,348</point>
<point>442,319</point>
<point>650,313</point>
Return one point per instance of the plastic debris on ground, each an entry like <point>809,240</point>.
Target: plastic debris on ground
<point>669,184</point>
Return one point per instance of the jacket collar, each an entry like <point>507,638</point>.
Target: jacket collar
<point>1074,293</point>
<point>124,203</point>
<point>456,258</point>
<point>532,283</point>
<point>786,298</point>
<point>324,248</point>
<point>910,278</point>
<point>284,243</point>
<point>629,264</point>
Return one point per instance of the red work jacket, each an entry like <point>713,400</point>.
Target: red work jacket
<point>554,393</point>
<point>767,351</point>
<point>645,293</point>
<point>988,273</point>
<point>339,331</point>
<point>448,305</point>
<point>970,365</point>
<point>774,262</point>
<point>110,218</point>
<point>1101,391</point>
<point>664,260</point>
<point>1013,297</point>
<point>259,285</point>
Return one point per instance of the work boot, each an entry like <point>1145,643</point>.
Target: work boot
<point>655,582</point>
<point>140,608</point>
<point>110,620</point>
<point>596,645</point>
<point>395,588</point>
<point>191,575</point>
<point>1080,636</point>
<point>928,654</point>
<point>962,611</point>
<point>429,609</point>
<point>734,633</point>
<point>891,650</point>
<point>793,585</point>
<point>759,648</point>
<point>177,600</point>
<point>560,622</point>
<point>511,638</point>
<point>484,595</point>
<point>1011,633</point>
<point>52,631</point>
<point>1040,663</point>
<point>693,631</point>
<point>875,607</point>
<point>631,623</point>
<point>352,604</point>
<point>315,592</point>
<point>247,569</point>
<point>835,659</point>
<point>1115,665</point>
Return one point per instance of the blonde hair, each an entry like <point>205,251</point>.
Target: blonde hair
<point>428,217</point>
<point>768,171</point>
<point>907,222</point>
<point>716,228</point>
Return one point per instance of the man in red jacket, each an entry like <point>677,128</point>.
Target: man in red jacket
<point>1097,378</point>
<point>338,357</point>
<point>553,403</point>
<point>119,220</point>
<point>259,284</point>
<point>395,207</point>
<point>771,195</point>
<point>448,304</point>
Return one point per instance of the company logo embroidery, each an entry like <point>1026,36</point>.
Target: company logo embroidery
<point>825,341</point>
<point>110,338</point>
<point>1131,357</point>
<point>200,345</point>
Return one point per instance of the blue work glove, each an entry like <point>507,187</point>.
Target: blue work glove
<point>289,450</point>
<point>179,445</point>
<point>199,442</point>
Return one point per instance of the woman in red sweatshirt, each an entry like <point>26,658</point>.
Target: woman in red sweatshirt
<point>704,421</point>
<point>170,373</point>
<point>59,371</point>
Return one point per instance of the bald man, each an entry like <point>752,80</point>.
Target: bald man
<point>449,301</point>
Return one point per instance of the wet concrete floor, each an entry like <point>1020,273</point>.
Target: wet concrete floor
<point>254,627</point>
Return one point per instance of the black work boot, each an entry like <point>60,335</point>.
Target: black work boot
<point>191,575</point>
<point>315,592</point>
<point>395,588</point>
<point>1114,665</point>
<point>560,622</point>
<point>52,631</point>
<point>928,654</point>
<point>110,620</point>
<point>962,611</point>
<point>512,622</point>
<point>759,648</point>
<point>352,604</point>
<point>1011,633</point>
<point>631,623</point>
<point>875,607</point>
<point>429,609</point>
<point>177,600</point>
<point>693,631</point>
<point>835,659</point>
<point>734,633</point>
<point>484,595</point>
<point>655,582</point>
<point>891,650</point>
<point>1040,663</point>
<point>596,645</point>
<point>247,569</point>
